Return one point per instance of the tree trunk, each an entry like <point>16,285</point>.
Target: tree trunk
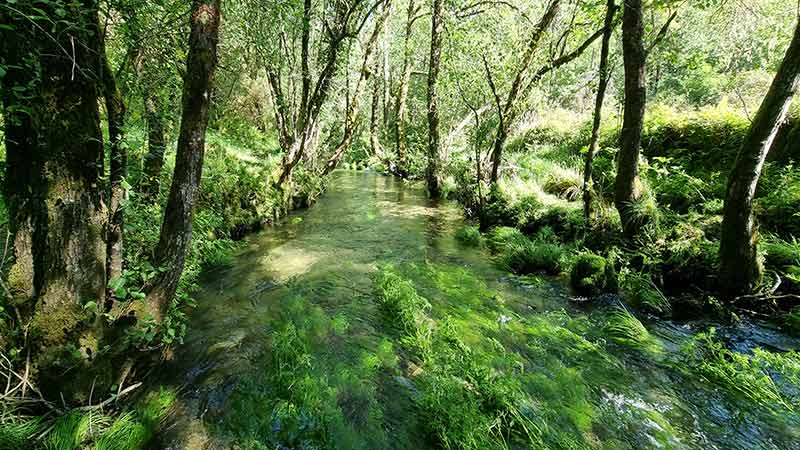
<point>115,109</point>
<point>740,269</point>
<point>628,186</point>
<point>611,10</point>
<point>176,230</point>
<point>402,89</point>
<point>432,174</point>
<point>374,120</point>
<point>54,187</point>
<point>156,147</point>
<point>507,112</point>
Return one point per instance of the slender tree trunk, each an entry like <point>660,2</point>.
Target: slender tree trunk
<point>353,105</point>
<point>374,120</point>
<point>305,68</point>
<point>434,168</point>
<point>156,147</point>
<point>402,89</point>
<point>740,269</point>
<point>176,230</point>
<point>54,186</point>
<point>628,186</point>
<point>507,112</point>
<point>611,10</point>
<point>115,109</point>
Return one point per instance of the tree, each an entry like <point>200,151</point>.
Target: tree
<point>54,184</point>
<point>176,230</point>
<point>402,87</point>
<point>115,110</point>
<point>602,84</point>
<point>433,170</point>
<point>350,118</point>
<point>740,269</point>
<point>627,188</point>
<point>507,111</point>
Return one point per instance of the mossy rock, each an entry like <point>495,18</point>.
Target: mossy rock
<point>592,275</point>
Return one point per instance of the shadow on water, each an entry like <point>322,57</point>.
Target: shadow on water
<point>287,349</point>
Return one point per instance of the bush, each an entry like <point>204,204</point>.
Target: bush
<point>782,254</point>
<point>592,275</point>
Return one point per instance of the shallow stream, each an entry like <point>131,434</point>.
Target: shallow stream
<point>287,348</point>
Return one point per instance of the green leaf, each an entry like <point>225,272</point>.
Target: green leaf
<point>90,306</point>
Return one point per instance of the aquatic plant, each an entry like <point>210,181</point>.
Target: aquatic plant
<point>623,328</point>
<point>642,293</point>
<point>19,433</point>
<point>469,235</point>
<point>399,299</point>
<point>753,377</point>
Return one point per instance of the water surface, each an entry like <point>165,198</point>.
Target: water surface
<point>287,348</point>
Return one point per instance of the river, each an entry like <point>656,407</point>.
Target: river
<point>287,348</point>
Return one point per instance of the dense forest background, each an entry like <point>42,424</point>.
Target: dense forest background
<point>648,148</point>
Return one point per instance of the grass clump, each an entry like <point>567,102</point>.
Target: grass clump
<point>19,433</point>
<point>623,328</point>
<point>592,275</point>
<point>781,254</point>
<point>469,236</point>
<point>499,238</point>
<point>526,256</point>
<point>399,300</point>
<point>764,378</point>
<point>643,294</point>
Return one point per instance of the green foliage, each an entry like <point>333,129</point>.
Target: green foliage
<point>764,378</point>
<point>18,433</point>
<point>643,294</point>
<point>500,238</point>
<point>781,254</point>
<point>592,274</point>
<point>469,235</point>
<point>526,256</point>
<point>399,299</point>
<point>623,328</point>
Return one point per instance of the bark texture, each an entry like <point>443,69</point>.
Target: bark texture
<point>603,78</point>
<point>434,167</point>
<point>740,269</point>
<point>176,230</point>
<point>54,187</point>
<point>627,188</point>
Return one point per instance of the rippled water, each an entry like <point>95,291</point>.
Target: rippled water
<point>309,279</point>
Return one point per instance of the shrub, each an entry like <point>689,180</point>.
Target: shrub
<point>566,185</point>
<point>592,275</point>
<point>469,235</point>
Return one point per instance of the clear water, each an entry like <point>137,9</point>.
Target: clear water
<point>352,385</point>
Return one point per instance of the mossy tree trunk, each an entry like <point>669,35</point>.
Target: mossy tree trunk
<point>432,173</point>
<point>627,188</point>
<point>54,187</point>
<point>176,230</point>
<point>740,269</point>
<point>602,85</point>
